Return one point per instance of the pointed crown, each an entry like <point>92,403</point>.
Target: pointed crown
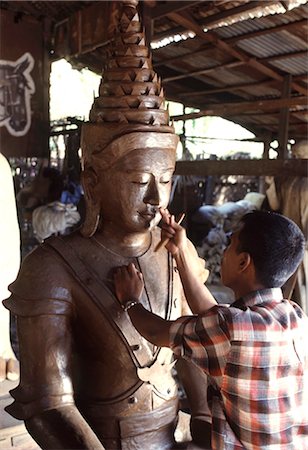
<point>131,98</point>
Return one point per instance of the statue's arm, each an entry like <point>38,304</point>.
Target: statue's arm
<point>42,302</point>
<point>193,380</point>
<point>45,394</point>
<point>62,428</point>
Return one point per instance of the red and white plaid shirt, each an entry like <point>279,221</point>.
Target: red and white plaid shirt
<point>255,352</point>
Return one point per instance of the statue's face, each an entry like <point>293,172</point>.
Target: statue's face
<point>134,189</point>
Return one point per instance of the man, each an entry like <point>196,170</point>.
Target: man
<point>255,351</point>
<point>88,379</point>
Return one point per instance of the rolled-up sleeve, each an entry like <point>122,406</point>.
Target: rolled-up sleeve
<point>203,340</point>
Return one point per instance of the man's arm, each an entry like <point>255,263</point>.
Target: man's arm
<point>197,294</point>
<point>150,326</point>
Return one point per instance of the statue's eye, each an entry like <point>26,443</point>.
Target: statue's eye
<point>142,183</point>
<point>141,179</point>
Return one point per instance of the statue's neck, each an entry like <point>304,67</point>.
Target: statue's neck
<point>124,244</point>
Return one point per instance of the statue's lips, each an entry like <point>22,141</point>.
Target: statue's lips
<point>148,216</point>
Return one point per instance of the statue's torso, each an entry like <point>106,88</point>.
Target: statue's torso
<point>108,353</point>
<point>102,351</point>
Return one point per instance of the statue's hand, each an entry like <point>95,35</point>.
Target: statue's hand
<point>128,283</point>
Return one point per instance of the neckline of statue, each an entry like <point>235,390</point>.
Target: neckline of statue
<point>109,250</point>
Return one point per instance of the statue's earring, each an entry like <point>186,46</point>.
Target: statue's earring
<point>91,221</point>
<point>89,226</point>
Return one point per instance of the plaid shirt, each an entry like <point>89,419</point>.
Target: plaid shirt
<point>255,352</point>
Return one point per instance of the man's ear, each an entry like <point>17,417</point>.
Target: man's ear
<point>244,261</point>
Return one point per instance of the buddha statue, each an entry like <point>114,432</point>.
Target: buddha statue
<point>88,379</point>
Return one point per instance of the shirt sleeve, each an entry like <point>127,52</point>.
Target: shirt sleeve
<point>202,339</point>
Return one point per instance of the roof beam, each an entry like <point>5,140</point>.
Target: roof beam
<point>286,27</point>
<point>189,23</point>
<point>229,88</point>
<point>240,107</point>
<point>236,87</point>
<point>253,167</point>
<point>233,40</point>
<point>234,12</point>
<point>206,71</point>
<point>284,56</point>
<point>233,64</point>
<point>162,10</point>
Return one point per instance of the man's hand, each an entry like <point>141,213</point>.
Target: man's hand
<point>129,286</point>
<point>197,295</point>
<point>174,232</point>
<point>128,283</point>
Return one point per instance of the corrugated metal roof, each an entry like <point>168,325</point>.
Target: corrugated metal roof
<point>246,56</point>
<point>295,66</point>
<point>259,12</point>
<point>273,45</point>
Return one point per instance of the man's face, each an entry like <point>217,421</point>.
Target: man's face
<point>133,190</point>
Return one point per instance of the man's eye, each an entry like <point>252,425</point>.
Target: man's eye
<point>228,239</point>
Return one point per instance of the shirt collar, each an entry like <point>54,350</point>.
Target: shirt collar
<point>256,297</point>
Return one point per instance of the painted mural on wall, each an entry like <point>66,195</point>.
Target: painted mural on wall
<point>16,88</point>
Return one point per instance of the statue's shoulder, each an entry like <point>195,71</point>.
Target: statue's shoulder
<point>43,272</point>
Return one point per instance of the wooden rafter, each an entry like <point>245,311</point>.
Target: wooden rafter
<point>286,27</point>
<point>229,88</point>
<point>163,10</point>
<point>237,108</point>
<point>235,87</point>
<point>205,71</point>
<point>188,22</point>
<point>254,167</point>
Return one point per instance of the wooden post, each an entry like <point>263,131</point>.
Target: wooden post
<point>283,131</point>
<point>145,12</point>
<point>267,143</point>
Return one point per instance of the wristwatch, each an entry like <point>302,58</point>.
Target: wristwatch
<point>129,304</point>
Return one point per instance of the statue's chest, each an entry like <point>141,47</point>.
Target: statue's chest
<point>156,268</point>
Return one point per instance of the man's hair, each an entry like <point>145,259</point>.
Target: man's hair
<point>275,243</point>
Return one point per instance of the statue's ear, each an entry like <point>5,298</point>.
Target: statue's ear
<point>89,181</point>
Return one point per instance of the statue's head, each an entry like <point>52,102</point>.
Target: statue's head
<point>128,146</point>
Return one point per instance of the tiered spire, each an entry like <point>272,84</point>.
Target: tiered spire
<point>130,90</point>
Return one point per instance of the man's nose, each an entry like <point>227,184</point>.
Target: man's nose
<point>153,196</point>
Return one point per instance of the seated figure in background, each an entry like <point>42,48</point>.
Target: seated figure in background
<point>89,380</point>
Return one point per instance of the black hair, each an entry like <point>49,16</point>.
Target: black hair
<point>275,243</point>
